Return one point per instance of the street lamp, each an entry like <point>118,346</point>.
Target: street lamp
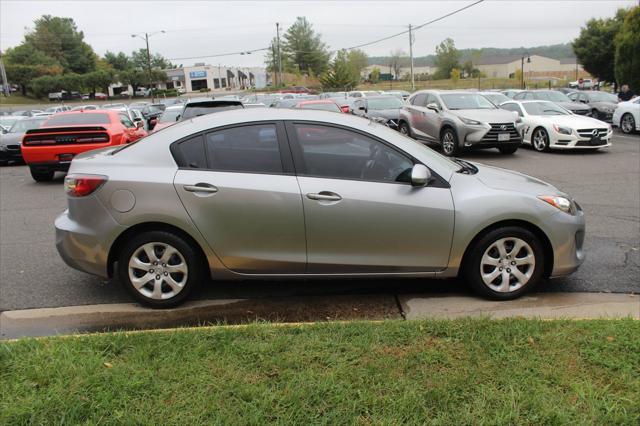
<point>526,55</point>
<point>146,39</point>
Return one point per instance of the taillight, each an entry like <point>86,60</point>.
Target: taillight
<point>83,185</point>
<point>345,109</point>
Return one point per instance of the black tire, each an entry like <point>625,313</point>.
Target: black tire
<point>195,268</point>
<point>449,149</point>
<point>405,129</point>
<point>632,122</point>
<point>471,269</point>
<point>508,149</point>
<point>42,176</point>
<point>542,147</point>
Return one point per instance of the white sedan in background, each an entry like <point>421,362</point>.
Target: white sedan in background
<point>546,125</point>
<point>627,116</point>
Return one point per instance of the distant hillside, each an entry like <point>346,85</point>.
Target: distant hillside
<point>555,51</point>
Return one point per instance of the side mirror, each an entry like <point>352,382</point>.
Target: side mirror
<point>420,175</point>
<point>433,107</point>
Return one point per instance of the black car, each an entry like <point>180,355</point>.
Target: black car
<point>150,112</point>
<point>602,104</point>
<point>384,108</point>
<point>556,97</point>
<point>11,140</point>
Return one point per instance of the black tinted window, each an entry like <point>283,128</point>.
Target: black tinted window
<point>191,153</point>
<point>196,110</point>
<point>78,118</point>
<point>338,153</point>
<point>419,100</point>
<point>249,149</point>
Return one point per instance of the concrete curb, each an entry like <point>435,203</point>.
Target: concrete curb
<point>540,305</point>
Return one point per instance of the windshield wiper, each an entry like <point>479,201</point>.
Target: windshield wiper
<point>466,167</point>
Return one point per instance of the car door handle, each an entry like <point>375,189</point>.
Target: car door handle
<point>200,187</point>
<point>324,196</point>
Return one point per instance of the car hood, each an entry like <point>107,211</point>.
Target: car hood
<point>602,104</point>
<point>11,138</point>
<point>573,106</point>
<point>389,114</point>
<point>508,180</point>
<point>486,115</point>
<point>575,121</point>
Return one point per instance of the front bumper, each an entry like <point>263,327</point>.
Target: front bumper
<point>566,234</point>
<point>486,135</point>
<point>575,141</point>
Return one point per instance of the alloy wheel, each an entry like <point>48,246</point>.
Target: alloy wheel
<point>158,270</point>
<point>448,143</point>
<point>628,123</point>
<point>540,140</point>
<point>507,265</point>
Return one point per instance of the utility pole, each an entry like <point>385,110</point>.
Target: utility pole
<point>274,64</point>
<point>413,82</point>
<point>5,83</point>
<point>146,38</point>
<point>279,53</point>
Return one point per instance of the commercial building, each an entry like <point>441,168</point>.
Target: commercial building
<point>201,77</point>
<point>534,66</point>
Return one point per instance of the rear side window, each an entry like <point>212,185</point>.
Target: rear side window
<point>190,153</point>
<point>248,149</point>
<point>79,118</point>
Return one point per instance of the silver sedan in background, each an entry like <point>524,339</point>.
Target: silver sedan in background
<point>277,193</point>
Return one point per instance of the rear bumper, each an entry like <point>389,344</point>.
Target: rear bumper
<point>56,166</point>
<point>52,154</point>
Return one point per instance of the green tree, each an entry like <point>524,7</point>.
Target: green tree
<point>341,74</point>
<point>139,60</point>
<point>627,60</point>
<point>595,46</point>
<point>59,38</point>
<point>447,58</point>
<point>119,61</point>
<point>375,75</point>
<point>358,60</point>
<point>25,63</point>
<point>98,80</point>
<point>303,49</point>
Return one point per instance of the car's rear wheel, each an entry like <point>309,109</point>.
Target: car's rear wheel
<point>505,263</point>
<point>42,175</point>
<point>627,123</point>
<point>159,269</point>
<point>449,141</point>
<point>404,129</point>
<point>540,140</point>
<point>508,149</point>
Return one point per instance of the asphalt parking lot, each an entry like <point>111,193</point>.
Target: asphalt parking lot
<point>607,185</point>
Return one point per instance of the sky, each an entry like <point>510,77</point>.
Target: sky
<point>202,28</point>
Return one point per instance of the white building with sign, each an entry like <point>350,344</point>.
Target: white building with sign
<point>201,77</point>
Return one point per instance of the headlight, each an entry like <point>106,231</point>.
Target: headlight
<point>559,202</point>
<point>562,130</point>
<point>470,122</point>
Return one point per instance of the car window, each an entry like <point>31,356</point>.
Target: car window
<point>78,118</point>
<point>126,121</point>
<point>191,153</point>
<point>333,152</point>
<point>248,149</point>
<point>512,107</point>
<point>419,100</point>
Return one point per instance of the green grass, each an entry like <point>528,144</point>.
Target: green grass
<point>466,83</point>
<point>437,372</point>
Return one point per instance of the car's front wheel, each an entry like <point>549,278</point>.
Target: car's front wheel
<point>540,140</point>
<point>404,129</point>
<point>449,141</point>
<point>159,269</point>
<point>627,123</point>
<point>41,176</point>
<point>505,263</point>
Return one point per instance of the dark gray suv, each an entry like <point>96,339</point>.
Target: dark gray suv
<point>459,120</point>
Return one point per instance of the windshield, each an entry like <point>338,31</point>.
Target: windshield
<point>551,95</point>
<point>329,106</point>
<point>79,118</point>
<point>602,97</point>
<point>497,98</point>
<point>169,115</point>
<point>466,101</point>
<point>544,108</point>
<point>22,126</point>
<point>390,102</point>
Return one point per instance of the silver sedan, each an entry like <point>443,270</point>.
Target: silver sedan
<point>295,193</point>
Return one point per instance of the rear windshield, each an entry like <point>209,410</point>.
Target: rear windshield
<point>198,110</point>
<point>79,118</point>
